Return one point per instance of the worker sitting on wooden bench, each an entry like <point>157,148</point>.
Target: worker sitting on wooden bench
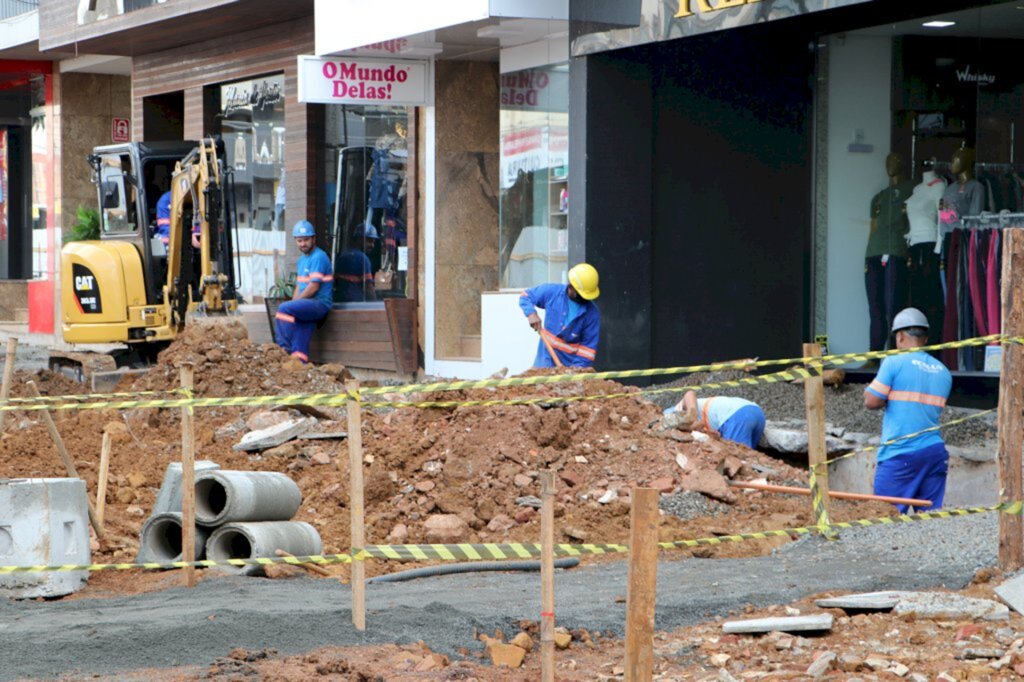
<point>296,319</point>
<point>735,419</point>
<point>572,323</point>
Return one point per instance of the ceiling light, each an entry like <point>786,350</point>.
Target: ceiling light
<point>938,24</point>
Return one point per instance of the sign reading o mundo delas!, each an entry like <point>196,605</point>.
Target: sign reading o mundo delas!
<point>341,80</point>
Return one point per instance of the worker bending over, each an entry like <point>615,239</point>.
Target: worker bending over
<point>297,318</point>
<point>912,388</point>
<point>735,419</point>
<point>572,323</point>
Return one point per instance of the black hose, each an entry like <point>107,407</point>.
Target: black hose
<point>470,567</point>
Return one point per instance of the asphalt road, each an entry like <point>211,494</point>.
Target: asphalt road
<point>179,627</point>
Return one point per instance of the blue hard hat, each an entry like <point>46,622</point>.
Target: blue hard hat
<point>303,228</point>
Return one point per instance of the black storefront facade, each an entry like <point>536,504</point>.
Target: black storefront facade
<point>726,155</point>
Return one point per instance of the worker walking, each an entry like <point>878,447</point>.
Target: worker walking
<point>912,388</point>
<point>572,322</point>
<point>735,419</point>
<point>296,319</point>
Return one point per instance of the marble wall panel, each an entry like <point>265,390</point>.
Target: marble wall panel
<point>466,207</point>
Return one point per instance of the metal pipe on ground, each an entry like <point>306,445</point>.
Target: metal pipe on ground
<point>230,496</point>
<point>469,567</point>
<point>256,540</point>
<point>792,490</point>
<point>161,540</point>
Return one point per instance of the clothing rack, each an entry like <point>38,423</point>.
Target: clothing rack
<point>1001,218</point>
<point>980,165</point>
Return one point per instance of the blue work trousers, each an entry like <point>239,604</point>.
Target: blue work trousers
<point>295,322</point>
<point>920,474</point>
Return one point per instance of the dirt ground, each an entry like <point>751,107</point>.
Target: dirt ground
<point>470,462</point>
<point>866,646</point>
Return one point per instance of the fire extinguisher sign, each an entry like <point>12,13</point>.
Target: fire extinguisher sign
<point>120,130</point>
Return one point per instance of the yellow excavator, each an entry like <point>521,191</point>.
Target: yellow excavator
<point>133,287</point>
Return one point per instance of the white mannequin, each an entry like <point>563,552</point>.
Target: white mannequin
<point>923,209</point>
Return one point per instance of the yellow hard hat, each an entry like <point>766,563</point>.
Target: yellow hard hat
<point>583,278</point>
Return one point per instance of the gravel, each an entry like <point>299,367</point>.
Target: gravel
<point>181,627</point>
<point>844,406</point>
<point>691,505</point>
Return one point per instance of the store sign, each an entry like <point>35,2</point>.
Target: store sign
<point>120,130</point>
<point>670,19</point>
<point>966,75</point>
<point>535,90</point>
<point>256,95</point>
<point>339,80</point>
<point>532,149</point>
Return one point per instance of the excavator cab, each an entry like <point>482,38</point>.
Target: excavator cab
<point>136,286</point>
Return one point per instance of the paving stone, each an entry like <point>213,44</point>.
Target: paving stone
<point>821,665</point>
<point>817,622</point>
<point>1012,592</point>
<point>867,601</point>
<point>944,605</point>
<point>274,435</point>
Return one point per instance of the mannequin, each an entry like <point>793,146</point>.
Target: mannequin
<point>964,197</point>
<point>923,272</point>
<point>885,260</point>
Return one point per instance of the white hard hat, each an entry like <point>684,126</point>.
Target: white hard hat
<point>907,318</point>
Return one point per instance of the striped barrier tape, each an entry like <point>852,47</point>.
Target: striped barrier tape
<point>820,510</point>
<point>872,448</point>
<point>827,360</point>
<point>263,561</point>
<point>338,399</point>
<point>84,397</point>
<point>511,550</point>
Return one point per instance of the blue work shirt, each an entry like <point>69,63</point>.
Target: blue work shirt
<point>572,328</point>
<point>354,273</point>
<point>915,386</point>
<point>163,217</point>
<point>316,267</point>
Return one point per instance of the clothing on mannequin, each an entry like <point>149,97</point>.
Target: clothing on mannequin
<point>923,209</point>
<point>886,254</point>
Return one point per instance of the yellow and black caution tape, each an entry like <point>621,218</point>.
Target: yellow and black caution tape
<point>262,561</point>
<point>820,510</point>
<point>512,550</point>
<point>85,397</point>
<point>872,448</point>
<point>827,360</point>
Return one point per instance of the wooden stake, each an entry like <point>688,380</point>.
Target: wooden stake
<point>817,455</point>
<point>1011,402</point>
<point>547,576</point>
<point>101,485</point>
<point>69,466</point>
<point>188,477</point>
<point>642,590</point>
<point>355,464</point>
<point>5,388</point>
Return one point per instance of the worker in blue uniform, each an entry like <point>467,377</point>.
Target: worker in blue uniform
<point>297,319</point>
<point>572,322</point>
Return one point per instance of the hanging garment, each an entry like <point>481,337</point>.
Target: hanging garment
<point>951,322</point>
<point>992,292</point>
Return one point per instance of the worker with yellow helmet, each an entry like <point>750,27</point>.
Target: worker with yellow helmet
<point>572,323</point>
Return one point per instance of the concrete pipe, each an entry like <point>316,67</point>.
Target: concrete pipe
<point>161,539</point>
<point>227,496</point>
<point>257,539</point>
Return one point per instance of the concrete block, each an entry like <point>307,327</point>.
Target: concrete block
<point>1012,592</point>
<point>43,521</point>
<point>867,601</point>
<point>169,497</point>
<point>949,606</point>
<point>274,435</point>
<point>818,622</point>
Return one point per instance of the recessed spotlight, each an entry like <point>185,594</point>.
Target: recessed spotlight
<point>938,24</point>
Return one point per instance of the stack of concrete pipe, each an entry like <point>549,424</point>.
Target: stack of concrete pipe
<point>239,515</point>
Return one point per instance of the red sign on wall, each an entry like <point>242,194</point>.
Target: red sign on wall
<point>120,130</point>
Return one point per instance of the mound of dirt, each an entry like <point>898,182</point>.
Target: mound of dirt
<point>477,464</point>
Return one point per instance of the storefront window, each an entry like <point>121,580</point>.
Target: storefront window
<point>534,200</point>
<point>924,161</point>
<point>40,176</point>
<point>368,163</point>
<point>252,115</point>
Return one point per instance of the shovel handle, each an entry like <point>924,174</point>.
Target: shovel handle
<point>551,351</point>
